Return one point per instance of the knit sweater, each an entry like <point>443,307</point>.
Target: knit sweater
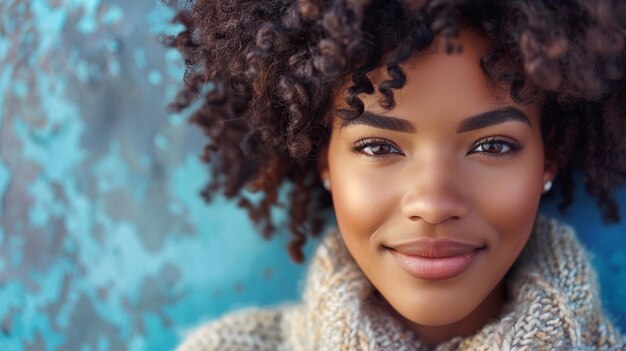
<point>553,304</point>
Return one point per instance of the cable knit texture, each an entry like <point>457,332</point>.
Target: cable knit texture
<point>554,305</point>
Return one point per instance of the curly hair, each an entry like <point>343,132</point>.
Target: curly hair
<point>266,74</point>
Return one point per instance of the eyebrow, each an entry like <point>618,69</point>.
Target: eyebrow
<point>479,121</point>
<point>379,121</point>
<point>490,118</point>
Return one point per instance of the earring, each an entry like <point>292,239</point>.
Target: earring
<point>326,184</point>
<point>547,186</point>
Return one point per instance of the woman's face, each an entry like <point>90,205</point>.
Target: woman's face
<point>436,198</point>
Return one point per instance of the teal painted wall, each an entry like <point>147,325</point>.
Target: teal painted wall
<point>105,243</point>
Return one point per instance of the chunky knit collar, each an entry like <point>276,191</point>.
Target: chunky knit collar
<point>554,302</point>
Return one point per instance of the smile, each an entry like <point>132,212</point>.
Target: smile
<point>435,260</point>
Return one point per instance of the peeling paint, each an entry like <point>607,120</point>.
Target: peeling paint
<point>155,78</point>
<point>5,178</point>
<point>113,15</point>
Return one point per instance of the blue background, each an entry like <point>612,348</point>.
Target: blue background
<point>105,243</point>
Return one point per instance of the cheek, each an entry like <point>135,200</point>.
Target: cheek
<point>361,197</point>
<point>362,192</point>
<point>510,200</point>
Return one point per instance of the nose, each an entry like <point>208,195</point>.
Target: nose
<point>434,193</point>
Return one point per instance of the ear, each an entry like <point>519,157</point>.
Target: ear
<point>322,163</point>
<point>551,166</point>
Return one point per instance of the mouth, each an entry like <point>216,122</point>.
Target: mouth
<point>435,260</point>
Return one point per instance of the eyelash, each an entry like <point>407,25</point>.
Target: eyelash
<point>511,144</point>
<point>364,143</point>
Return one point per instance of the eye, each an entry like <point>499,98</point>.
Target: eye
<point>495,146</point>
<point>377,148</point>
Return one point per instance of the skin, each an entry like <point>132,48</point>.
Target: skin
<point>391,186</point>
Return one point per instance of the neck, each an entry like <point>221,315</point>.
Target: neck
<point>489,309</point>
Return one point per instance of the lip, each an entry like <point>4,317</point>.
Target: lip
<point>435,259</point>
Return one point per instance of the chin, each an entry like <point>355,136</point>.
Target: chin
<point>436,314</point>
<point>436,305</point>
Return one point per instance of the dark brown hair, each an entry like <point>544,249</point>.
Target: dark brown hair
<point>266,74</point>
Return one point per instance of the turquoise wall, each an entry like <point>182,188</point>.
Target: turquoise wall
<point>105,243</point>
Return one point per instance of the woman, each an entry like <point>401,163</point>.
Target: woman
<point>431,129</point>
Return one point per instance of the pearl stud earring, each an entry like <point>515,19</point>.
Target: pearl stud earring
<point>547,186</point>
<point>326,184</point>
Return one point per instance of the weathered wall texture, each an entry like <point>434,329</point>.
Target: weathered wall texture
<point>104,241</point>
